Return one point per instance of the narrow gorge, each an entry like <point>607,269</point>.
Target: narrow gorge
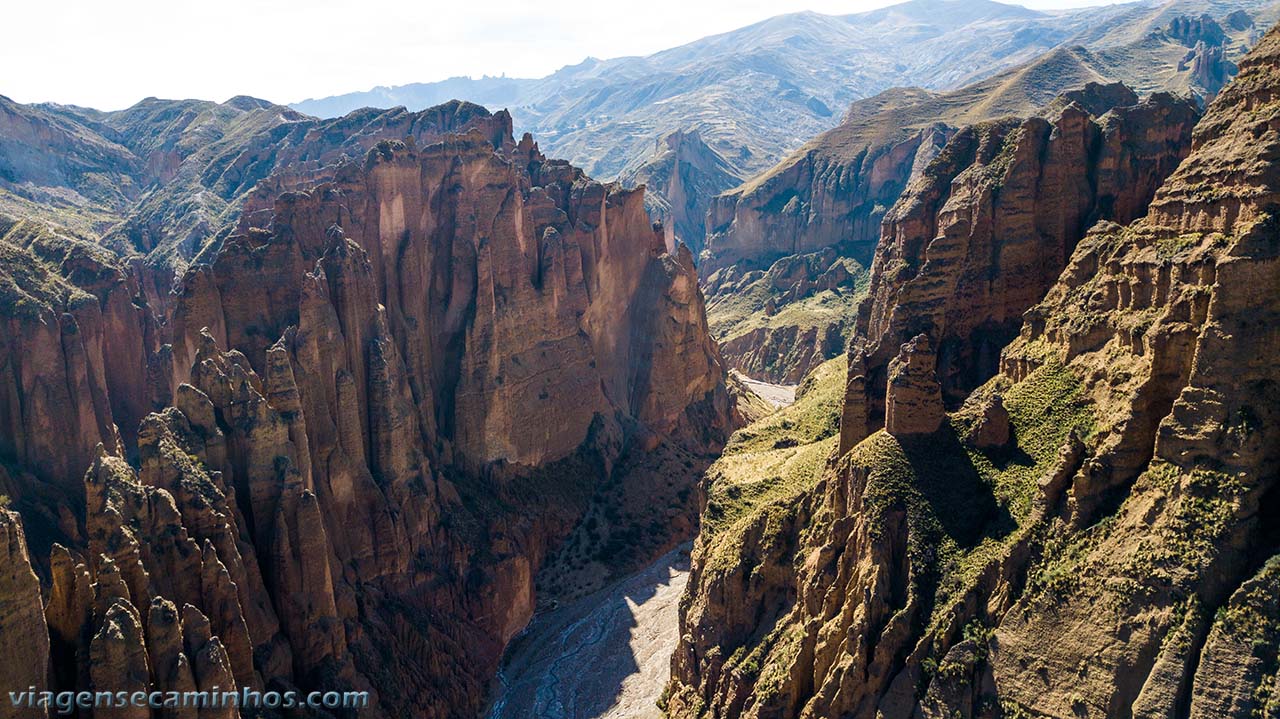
<point>913,363</point>
<point>338,455</point>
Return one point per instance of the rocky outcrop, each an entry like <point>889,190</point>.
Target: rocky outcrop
<point>835,192</point>
<point>681,177</point>
<point>780,323</point>
<point>831,193</point>
<point>985,230</point>
<point>913,402</point>
<point>21,616</point>
<point>164,179</point>
<point>1111,559</point>
<point>74,353</point>
<point>380,406</point>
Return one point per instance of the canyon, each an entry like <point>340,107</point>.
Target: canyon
<point>823,204</point>
<point>339,452</point>
<point>1080,528</point>
<point>965,407</point>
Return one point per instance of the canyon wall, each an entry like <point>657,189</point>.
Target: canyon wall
<point>337,456</point>
<point>835,192</point>
<point>1088,533</point>
<point>985,230</point>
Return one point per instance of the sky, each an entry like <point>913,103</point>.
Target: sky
<point>109,54</point>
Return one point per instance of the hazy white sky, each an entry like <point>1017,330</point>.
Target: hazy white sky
<point>111,53</point>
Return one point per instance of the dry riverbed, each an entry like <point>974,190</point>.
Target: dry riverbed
<point>778,395</point>
<point>605,656</point>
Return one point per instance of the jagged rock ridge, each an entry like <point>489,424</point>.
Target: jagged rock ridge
<point>360,425</point>
<point>835,191</point>
<point>1035,183</point>
<point>1088,535</point>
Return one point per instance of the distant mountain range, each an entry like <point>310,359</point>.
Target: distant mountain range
<point>165,178</point>
<point>753,95</point>
<point>819,212</point>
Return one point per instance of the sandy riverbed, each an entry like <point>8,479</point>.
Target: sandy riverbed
<point>606,656</point>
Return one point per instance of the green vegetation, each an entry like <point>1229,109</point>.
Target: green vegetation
<point>964,505</point>
<point>769,465</point>
<point>767,663</point>
<point>1044,409</point>
<point>732,314</point>
<point>1251,621</point>
<point>1201,506</point>
<point>814,417</point>
<point>28,284</point>
<point>79,217</point>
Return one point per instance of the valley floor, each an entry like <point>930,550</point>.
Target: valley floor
<point>778,395</point>
<point>606,656</point>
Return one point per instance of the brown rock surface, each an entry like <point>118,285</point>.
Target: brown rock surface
<point>835,191</point>
<point>394,390</point>
<point>983,232</point>
<point>65,384</point>
<point>1113,559</point>
<point>778,324</point>
<point>681,177</point>
<point>913,402</point>
<point>25,663</point>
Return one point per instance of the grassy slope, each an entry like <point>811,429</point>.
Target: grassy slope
<point>733,314</point>
<point>767,465</point>
<point>964,505</point>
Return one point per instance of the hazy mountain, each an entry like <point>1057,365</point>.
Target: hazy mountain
<point>757,93</point>
<point>834,191</point>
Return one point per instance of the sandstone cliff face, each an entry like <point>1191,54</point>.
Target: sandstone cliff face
<point>986,229</point>
<point>21,614</point>
<point>164,179</point>
<point>822,196</point>
<point>836,190</point>
<point>379,407</point>
<point>1035,184</point>
<point>73,355</point>
<point>1111,558</point>
<point>681,177</point>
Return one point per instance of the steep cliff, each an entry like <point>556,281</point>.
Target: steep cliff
<point>836,190</point>
<point>1036,184</point>
<point>166,178</point>
<point>681,177</point>
<point>985,230</point>
<point>1089,534</point>
<point>360,426</point>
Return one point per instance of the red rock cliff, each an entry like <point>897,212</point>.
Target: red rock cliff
<point>393,392</point>
<point>1086,535</point>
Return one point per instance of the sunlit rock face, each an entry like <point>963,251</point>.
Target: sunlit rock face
<point>358,428</point>
<point>1085,533</point>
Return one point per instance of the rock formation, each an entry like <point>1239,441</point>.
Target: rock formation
<point>913,402</point>
<point>1111,558</point>
<point>358,428</point>
<point>778,324</point>
<point>21,615</point>
<point>836,190</point>
<point>985,230</point>
<point>681,177</point>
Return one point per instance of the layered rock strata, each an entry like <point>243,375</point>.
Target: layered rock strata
<point>779,324</point>
<point>985,230</point>
<point>361,424</point>
<point>1110,558</point>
